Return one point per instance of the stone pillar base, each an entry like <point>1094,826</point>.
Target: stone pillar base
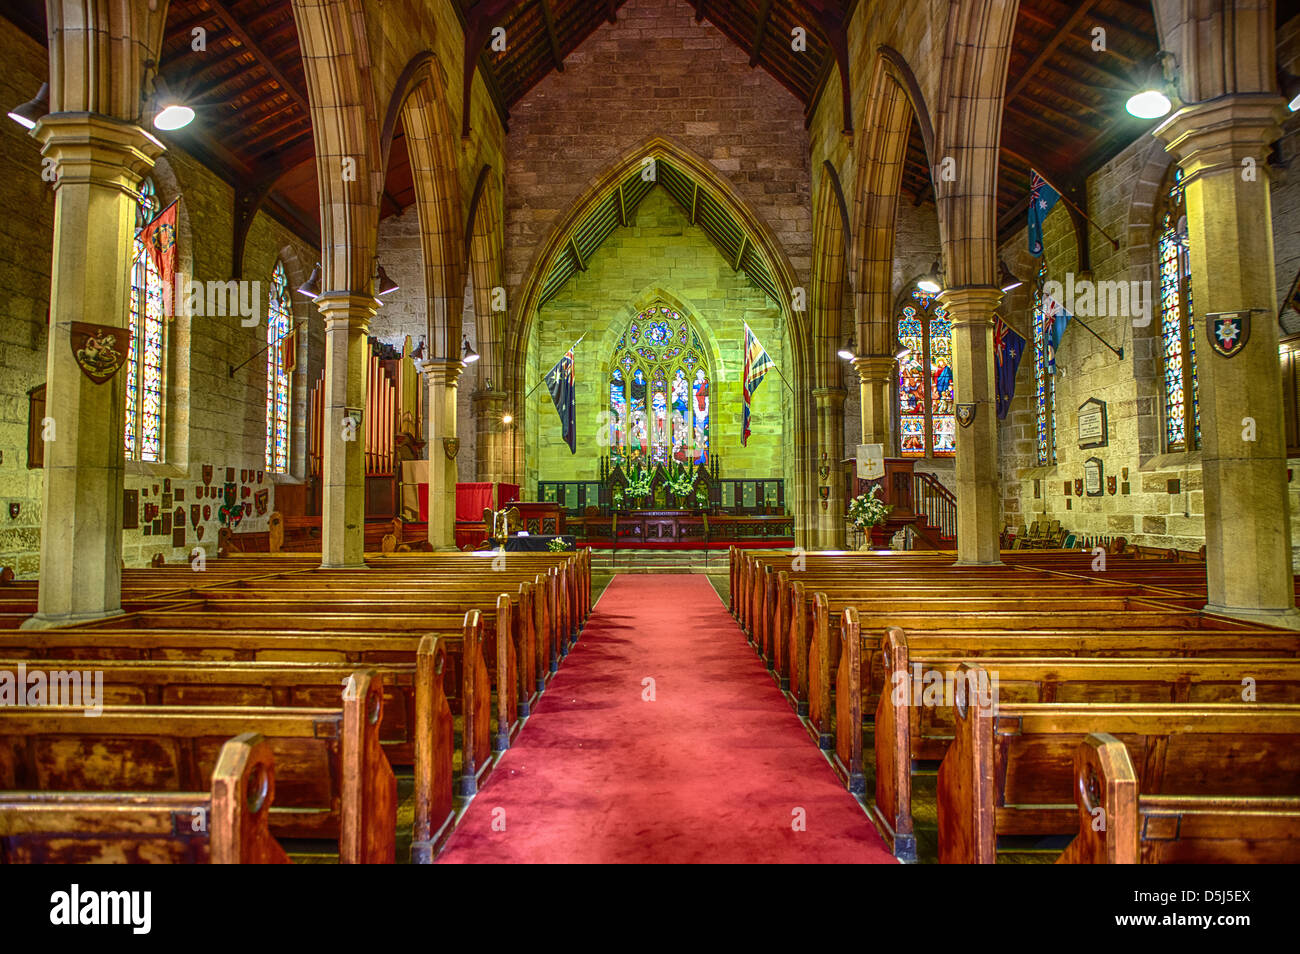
<point>45,621</point>
<point>1283,618</point>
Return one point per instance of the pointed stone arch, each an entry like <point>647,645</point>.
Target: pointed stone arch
<point>524,307</point>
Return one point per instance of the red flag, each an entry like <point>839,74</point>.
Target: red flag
<point>159,238</point>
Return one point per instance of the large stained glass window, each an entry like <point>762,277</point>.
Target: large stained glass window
<point>144,370</point>
<point>659,392</point>
<point>1044,381</point>
<point>279,362</point>
<point>926,395</point>
<point>1177,334</point>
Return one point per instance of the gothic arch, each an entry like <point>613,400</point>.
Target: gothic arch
<point>523,309</point>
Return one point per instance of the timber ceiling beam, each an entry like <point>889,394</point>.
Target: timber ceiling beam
<point>478,24</point>
<point>548,18</point>
<point>263,58</point>
<point>833,20</point>
<point>1058,37</point>
<point>764,15</point>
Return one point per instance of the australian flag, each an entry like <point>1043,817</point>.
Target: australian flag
<point>1008,346</point>
<point>1055,318</point>
<point>559,381</point>
<point>1041,199</point>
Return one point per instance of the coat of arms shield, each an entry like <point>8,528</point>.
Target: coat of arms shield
<point>966,414</point>
<point>98,351</point>
<point>1229,332</point>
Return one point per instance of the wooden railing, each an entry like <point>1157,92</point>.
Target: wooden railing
<point>934,503</point>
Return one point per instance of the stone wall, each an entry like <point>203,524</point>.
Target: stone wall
<point>659,255</point>
<point>211,417</point>
<point>1159,499</point>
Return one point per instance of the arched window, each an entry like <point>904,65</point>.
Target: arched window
<point>1044,381</point>
<point>926,423</point>
<point>279,363</point>
<point>659,392</point>
<point>1177,337</point>
<point>144,371</point>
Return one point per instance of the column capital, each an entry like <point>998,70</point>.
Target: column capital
<point>829,397</point>
<point>443,372</point>
<point>1217,135</point>
<point>347,311</point>
<point>971,305</point>
<point>88,147</point>
<point>481,396</point>
<point>874,367</point>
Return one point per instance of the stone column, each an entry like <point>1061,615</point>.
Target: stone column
<point>830,454</point>
<point>978,488</point>
<point>493,451</point>
<point>443,377</point>
<point>343,503</point>
<point>98,162</point>
<point>876,376</point>
<point>1222,146</point>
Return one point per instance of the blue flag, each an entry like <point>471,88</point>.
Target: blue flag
<point>559,381</point>
<point>1008,346</point>
<point>1041,199</point>
<point>1055,318</point>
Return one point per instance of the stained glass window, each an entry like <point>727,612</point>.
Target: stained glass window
<point>1177,329</point>
<point>926,395</point>
<point>279,362</point>
<point>144,370</point>
<point>1044,382</point>
<point>659,391</point>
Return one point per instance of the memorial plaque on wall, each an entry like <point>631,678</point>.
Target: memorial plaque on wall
<point>1092,424</point>
<point>1092,477</point>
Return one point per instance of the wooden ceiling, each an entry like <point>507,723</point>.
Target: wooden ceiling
<point>1064,113</point>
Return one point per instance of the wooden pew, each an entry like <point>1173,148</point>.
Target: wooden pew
<point>907,732</point>
<point>1012,772</point>
<point>333,779</point>
<point>1119,825</point>
<point>226,825</point>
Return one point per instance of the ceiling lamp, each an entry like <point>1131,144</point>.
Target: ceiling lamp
<point>1006,279</point>
<point>903,352</point>
<point>846,353</point>
<point>931,281</point>
<point>468,354</point>
<point>311,287</point>
<point>386,285</point>
<point>30,112</point>
<point>170,112</point>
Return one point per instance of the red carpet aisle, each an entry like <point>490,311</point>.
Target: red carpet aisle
<point>711,771</point>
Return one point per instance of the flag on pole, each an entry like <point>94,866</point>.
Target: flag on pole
<point>1041,199</point>
<point>757,364</point>
<point>559,381</point>
<point>1055,318</point>
<point>1008,346</point>
<point>159,240</point>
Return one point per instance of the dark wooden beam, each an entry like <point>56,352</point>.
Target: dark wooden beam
<point>226,17</point>
<point>764,14</point>
<point>549,19</point>
<point>701,10</point>
<point>1062,32</point>
<point>612,11</point>
<point>478,27</point>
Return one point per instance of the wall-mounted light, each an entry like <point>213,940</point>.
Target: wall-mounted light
<point>170,112</point>
<point>385,284</point>
<point>846,350</point>
<point>311,287</point>
<point>507,418</point>
<point>903,352</point>
<point>469,355</point>
<point>30,112</point>
<point>1006,279</point>
<point>1154,98</point>
<point>932,281</point>
<point>1290,90</point>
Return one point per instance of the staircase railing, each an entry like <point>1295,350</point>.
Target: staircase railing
<point>934,503</point>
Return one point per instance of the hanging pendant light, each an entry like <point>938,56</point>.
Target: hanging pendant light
<point>1154,99</point>
<point>931,282</point>
<point>386,285</point>
<point>1006,278</point>
<point>469,355</point>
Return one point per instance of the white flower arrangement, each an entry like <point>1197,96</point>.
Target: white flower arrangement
<point>866,511</point>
